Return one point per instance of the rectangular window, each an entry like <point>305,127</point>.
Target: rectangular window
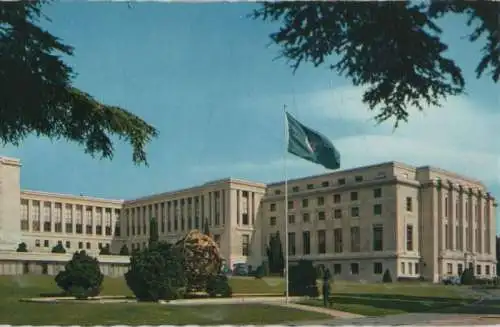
<point>337,239</point>
<point>377,193</point>
<point>354,268</point>
<point>305,203</point>
<point>446,204</point>
<point>341,181</point>
<point>272,221</point>
<point>403,268</point>
<point>295,189</point>
<point>337,269</point>
<point>358,179</point>
<point>272,207</point>
<point>478,270</point>
<point>409,237</point>
<point>306,242</point>
<point>378,234</point>
<point>291,219</point>
<point>449,268</point>
<point>337,213</point>
<point>355,212</point>
<point>290,204</point>
<point>47,217</point>
<point>377,268</point>
<point>321,215</point>
<point>355,239</point>
<point>325,184</point>
<point>320,201</point>
<point>460,269</point>
<point>245,245</point>
<point>291,243</point>
<point>377,209</point>
<point>321,241</point>
<point>310,186</point>
<point>337,198</point>
<point>487,270</point>
<point>409,204</point>
<point>354,196</point>
<point>305,217</point>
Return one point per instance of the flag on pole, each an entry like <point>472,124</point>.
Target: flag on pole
<point>311,145</point>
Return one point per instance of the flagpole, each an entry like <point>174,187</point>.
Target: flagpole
<point>286,203</point>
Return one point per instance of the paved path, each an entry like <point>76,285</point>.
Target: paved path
<point>432,319</point>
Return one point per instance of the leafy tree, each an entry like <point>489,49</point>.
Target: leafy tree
<point>81,276</point>
<point>22,247</point>
<point>59,248</point>
<point>153,231</point>
<point>393,48</point>
<point>157,273</point>
<point>275,256</point>
<point>38,96</point>
<point>386,278</point>
<point>105,250</point>
<point>302,279</point>
<point>124,250</point>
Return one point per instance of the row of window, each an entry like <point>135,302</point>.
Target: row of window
<point>320,200</point>
<point>67,244</point>
<point>482,238</point>
<point>321,215</point>
<point>469,213</point>
<point>185,214</point>
<point>340,182</point>
<point>338,241</point>
<point>378,268</point>
<point>460,268</point>
<point>413,268</point>
<point>68,228</point>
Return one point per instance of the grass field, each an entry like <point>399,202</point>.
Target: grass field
<point>396,298</point>
<point>12,311</point>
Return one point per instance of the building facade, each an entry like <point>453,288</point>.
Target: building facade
<point>413,221</point>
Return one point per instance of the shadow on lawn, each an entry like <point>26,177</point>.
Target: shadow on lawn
<point>405,303</point>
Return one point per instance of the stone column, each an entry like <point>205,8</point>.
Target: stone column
<point>472,222</point>
<point>451,218</point>
<point>52,217</point>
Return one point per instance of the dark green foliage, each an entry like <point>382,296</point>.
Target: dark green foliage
<point>157,273</point>
<point>153,231</point>
<point>219,285</point>
<point>58,249</point>
<point>22,247</point>
<point>302,279</point>
<point>81,276</point>
<point>386,278</point>
<point>262,270</point>
<point>105,250</point>
<point>124,250</point>
<point>467,277</point>
<point>206,229</point>
<point>394,48</point>
<point>275,256</point>
<point>38,96</point>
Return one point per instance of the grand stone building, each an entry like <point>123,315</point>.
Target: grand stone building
<point>359,222</point>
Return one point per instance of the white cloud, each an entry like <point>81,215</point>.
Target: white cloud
<point>459,136</point>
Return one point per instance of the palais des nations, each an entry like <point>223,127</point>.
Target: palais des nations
<point>414,221</point>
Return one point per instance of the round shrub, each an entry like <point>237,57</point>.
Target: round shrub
<point>157,273</point>
<point>219,285</point>
<point>81,276</point>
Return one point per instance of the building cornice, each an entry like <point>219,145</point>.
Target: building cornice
<point>69,197</point>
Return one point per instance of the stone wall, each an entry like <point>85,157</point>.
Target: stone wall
<point>23,263</point>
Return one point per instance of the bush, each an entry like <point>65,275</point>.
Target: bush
<point>219,285</point>
<point>81,276</point>
<point>124,250</point>
<point>261,271</point>
<point>22,247</point>
<point>467,277</point>
<point>302,279</point>
<point>157,273</point>
<point>387,277</point>
<point>58,248</point>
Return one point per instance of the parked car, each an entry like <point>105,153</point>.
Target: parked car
<point>451,280</point>
<point>240,269</point>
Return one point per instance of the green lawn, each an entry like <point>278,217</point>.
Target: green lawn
<point>385,299</point>
<point>14,312</point>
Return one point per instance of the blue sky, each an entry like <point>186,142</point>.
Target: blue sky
<point>205,77</point>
